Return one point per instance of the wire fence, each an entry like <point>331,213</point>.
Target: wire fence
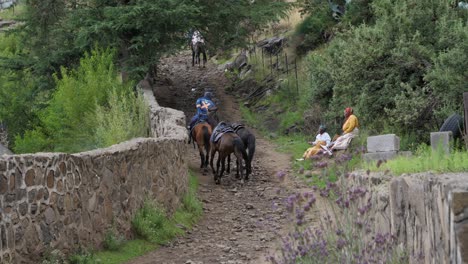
<point>274,64</point>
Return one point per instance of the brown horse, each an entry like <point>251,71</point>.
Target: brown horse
<point>202,133</point>
<point>227,144</point>
<point>248,138</point>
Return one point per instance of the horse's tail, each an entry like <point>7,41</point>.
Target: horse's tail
<point>239,145</point>
<point>206,138</point>
<point>251,147</point>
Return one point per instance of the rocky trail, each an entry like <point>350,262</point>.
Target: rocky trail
<point>240,223</point>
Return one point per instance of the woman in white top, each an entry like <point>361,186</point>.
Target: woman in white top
<point>322,139</point>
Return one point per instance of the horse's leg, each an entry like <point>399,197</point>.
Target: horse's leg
<point>223,160</point>
<point>207,149</point>
<point>229,164</point>
<point>237,168</point>
<point>217,168</point>
<point>193,57</point>
<point>204,58</point>
<point>213,152</point>
<point>202,156</point>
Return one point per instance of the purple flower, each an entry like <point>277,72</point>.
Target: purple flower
<point>340,243</point>
<point>281,174</point>
<point>321,164</point>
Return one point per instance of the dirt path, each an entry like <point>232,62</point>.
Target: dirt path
<point>240,222</point>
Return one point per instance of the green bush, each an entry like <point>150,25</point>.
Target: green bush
<point>125,117</point>
<point>113,241</point>
<point>90,108</point>
<point>315,29</point>
<point>153,224</point>
<point>407,69</point>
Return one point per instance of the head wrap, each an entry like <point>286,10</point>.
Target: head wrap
<point>323,127</point>
<point>348,111</point>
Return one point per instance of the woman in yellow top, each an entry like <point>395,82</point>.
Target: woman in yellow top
<point>350,130</point>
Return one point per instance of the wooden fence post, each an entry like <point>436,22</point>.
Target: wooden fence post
<point>465,103</point>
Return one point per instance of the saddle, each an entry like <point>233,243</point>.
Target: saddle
<point>237,126</point>
<point>219,131</point>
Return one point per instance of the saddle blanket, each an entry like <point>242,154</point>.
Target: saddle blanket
<point>219,131</point>
<point>237,126</point>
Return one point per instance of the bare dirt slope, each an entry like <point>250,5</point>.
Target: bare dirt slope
<point>240,222</point>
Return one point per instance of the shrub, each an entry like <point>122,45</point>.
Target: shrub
<point>315,30</point>
<point>126,116</point>
<point>112,241</point>
<point>90,108</point>
<point>344,235</point>
<point>406,68</point>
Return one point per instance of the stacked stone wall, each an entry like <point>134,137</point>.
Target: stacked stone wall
<point>67,201</point>
<point>428,214</point>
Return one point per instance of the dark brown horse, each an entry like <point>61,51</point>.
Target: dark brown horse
<point>227,144</point>
<point>248,138</point>
<point>201,133</point>
<point>197,49</point>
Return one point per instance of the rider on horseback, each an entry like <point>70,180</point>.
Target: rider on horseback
<point>204,106</point>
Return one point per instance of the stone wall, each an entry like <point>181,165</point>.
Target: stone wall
<point>428,213</point>
<point>62,201</point>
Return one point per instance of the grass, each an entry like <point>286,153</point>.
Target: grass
<point>127,251</point>
<point>13,13</point>
<point>153,226</point>
<point>426,159</point>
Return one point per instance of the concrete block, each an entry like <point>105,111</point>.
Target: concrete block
<point>443,139</point>
<point>383,143</point>
<point>380,155</point>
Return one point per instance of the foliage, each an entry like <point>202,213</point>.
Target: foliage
<point>90,108</point>
<point>113,241</point>
<point>126,116</point>
<point>315,29</point>
<point>83,257</point>
<point>345,234</point>
<point>426,159</point>
<point>153,224</point>
<point>407,67</point>
<point>127,251</point>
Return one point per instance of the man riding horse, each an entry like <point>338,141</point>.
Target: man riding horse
<point>197,44</point>
<point>204,105</point>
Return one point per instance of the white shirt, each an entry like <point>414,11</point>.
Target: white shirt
<point>196,37</point>
<point>322,137</point>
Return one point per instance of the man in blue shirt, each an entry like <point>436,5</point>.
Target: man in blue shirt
<point>204,105</point>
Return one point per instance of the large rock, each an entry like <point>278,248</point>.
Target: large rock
<point>441,140</point>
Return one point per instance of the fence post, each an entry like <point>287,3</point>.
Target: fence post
<point>263,63</point>
<point>287,68</point>
<point>271,64</point>
<point>465,103</point>
<point>297,82</point>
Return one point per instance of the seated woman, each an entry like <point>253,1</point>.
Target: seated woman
<point>350,130</point>
<point>322,139</point>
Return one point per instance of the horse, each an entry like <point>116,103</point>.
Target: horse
<point>248,138</point>
<point>198,48</point>
<point>227,144</point>
<point>201,134</point>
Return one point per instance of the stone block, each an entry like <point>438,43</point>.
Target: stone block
<point>441,139</point>
<point>383,143</point>
<point>380,155</point>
